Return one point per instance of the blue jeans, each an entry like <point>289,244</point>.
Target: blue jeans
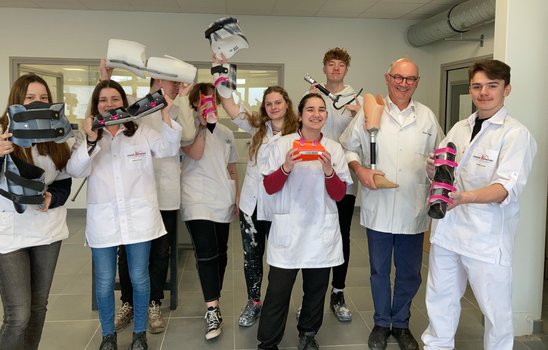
<point>25,280</point>
<point>104,263</point>
<point>407,248</point>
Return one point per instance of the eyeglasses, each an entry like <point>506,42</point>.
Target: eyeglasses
<point>408,80</point>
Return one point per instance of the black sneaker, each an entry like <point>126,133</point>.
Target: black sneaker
<point>139,341</point>
<point>214,322</point>
<point>405,339</point>
<point>307,341</point>
<point>377,338</point>
<point>339,308</point>
<point>109,342</point>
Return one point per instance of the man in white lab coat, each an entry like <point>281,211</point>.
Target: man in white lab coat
<point>474,241</point>
<point>395,218</point>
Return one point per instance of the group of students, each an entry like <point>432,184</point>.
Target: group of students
<point>304,208</point>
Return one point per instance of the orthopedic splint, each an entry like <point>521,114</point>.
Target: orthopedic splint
<point>142,107</point>
<point>443,181</point>
<point>210,113</point>
<point>224,78</point>
<point>226,37</point>
<point>26,183</point>
<point>130,55</point>
<point>38,122</point>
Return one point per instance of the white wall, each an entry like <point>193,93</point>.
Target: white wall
<point>299,43</point>
<point>520,41</point>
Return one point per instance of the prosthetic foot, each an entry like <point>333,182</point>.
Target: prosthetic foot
<point>373,107</point>
<point>443,181</point>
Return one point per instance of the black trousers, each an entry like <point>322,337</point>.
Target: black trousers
<point>158,262</point>
<point>345,208</point>
<point>276,303</point>
<point>210,242</point>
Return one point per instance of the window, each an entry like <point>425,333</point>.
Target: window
<point>72,81</point>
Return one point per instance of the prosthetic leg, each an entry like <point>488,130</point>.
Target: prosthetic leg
<point>373,107</point>
<point>443,181</point>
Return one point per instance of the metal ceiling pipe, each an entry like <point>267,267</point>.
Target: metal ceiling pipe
<point>457,20</point>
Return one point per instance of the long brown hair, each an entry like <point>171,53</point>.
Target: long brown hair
<point>258,120</point>
<point>131,127</point>
<point>58,152</point>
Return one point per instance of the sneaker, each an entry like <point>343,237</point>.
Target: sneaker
<point>156,323</point>
<point>123,316</point>
<point>377,338</point>
<point>109,342</point>
<point>250,313</point>
<point>307,341</point>
<point>338,306</point>
<point>214,322</point>
<point>139,341</point>
<point>298,313</point>
<point>405,339</point>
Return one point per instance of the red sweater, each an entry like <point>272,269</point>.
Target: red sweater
<point>336,188</point>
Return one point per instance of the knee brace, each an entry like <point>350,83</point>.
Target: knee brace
<point>444,178</point>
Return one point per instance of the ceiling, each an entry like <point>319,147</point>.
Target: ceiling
<point>382,9</point>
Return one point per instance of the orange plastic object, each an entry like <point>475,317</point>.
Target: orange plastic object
<point>309,150</point>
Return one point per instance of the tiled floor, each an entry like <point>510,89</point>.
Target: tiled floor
<point>72,325</point>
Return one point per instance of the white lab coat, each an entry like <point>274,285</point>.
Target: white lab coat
<point>122,203</point>
<point>207,191</point>
<point>33,227</point>
<point>167,170</point>
<point>402,150</point>
<point>337,121</point>
<point>502,152</point>
<point>253,193</point>
<point>305,229</point>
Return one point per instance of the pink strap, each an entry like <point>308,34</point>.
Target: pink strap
<point>438,162</point>
<point>443,185</point>
<point>209,110</point>
<point>434,198</point>
<point>220,80</point>
<point>445,150</point>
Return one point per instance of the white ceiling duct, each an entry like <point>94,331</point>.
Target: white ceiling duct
<point>457,20</point>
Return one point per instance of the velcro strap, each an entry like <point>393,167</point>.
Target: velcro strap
<point>434,198</point>
<point>21,199</point>
<point>220,80</point>
<point>24,182</point>
<point>219,70</point>
<point>209,110</point>
<point>443,185</point>
<point>35,114</point>
<point>38,134</point>
<point>438,162</point>
<point>445,150</point>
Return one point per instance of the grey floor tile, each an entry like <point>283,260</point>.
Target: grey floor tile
<point>70,323</point>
